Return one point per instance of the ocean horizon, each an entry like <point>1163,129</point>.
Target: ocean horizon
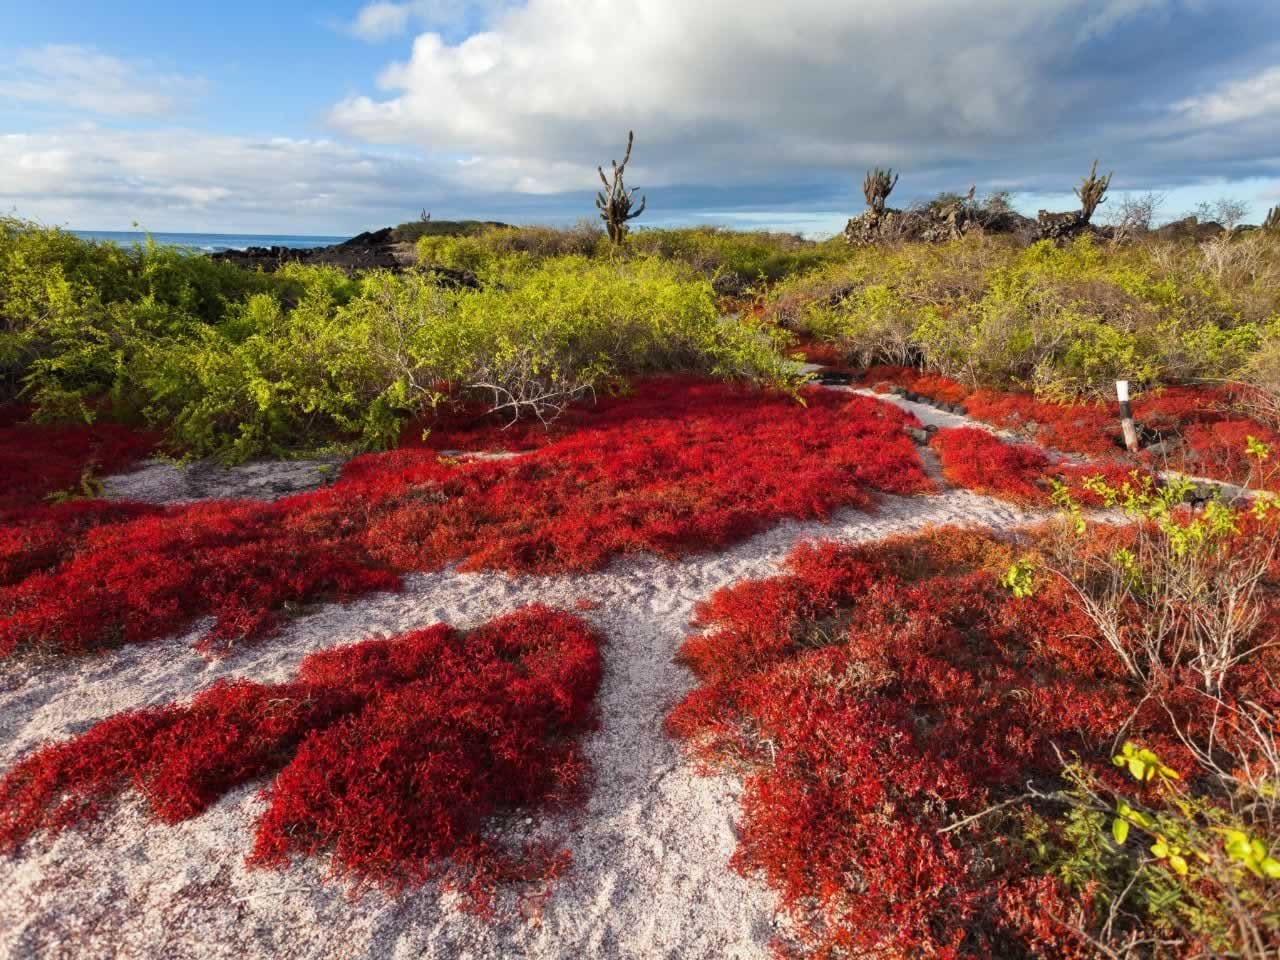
<point>208,242</point>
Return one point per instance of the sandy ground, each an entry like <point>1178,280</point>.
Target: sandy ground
<point>159,481</point>
<point>650,850</point>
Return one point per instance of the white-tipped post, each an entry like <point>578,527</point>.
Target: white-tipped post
<point>1126,416</point>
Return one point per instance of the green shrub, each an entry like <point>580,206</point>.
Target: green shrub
<point>72,312</point>
<point>754,256</point>
<point>351,366</point>
<point>483,251</point>
<point>414,230</point>
<point>1065,321</point>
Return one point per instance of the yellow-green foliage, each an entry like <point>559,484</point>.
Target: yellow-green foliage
<point>1163,860</point>
<point>72,312</point>
<point>236,363</point>
<point>1064,320</point>
<point>755,256</point>
<point>352,359</point>
<point>483,250</point>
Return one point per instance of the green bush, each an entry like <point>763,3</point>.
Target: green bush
<point>72,313</point>
<point>1065,321</point>
<point>753,257</point>
<point>350,366</point>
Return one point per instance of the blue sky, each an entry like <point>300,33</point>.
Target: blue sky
<point>332,117</point>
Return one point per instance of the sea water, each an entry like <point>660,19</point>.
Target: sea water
<point>208,242</point>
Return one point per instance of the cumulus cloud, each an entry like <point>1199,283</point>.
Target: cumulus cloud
<point>1247,99</point>
<point>89,176</point>
<point>738,91</point>
<point>84,79</point>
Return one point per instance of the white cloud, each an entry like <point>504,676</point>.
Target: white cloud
<point>377,21</point>
<point>1239,100</point>
<point>730,90</point>
<point>177,178</point>
<point>81,78</point>
<point>384,18</point>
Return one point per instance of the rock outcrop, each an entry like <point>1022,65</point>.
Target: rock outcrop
<point>368,251</point>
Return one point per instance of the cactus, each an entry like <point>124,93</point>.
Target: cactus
<point>614,202</point>
<point>876,187</point>
<point>1091,191</point>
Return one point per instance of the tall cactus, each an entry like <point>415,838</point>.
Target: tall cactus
<point>1091,191</point>
<point>876,187</point>
<point>614,202</point>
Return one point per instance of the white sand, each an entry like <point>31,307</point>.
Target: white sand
<point>650,876</point>
<point>159,481</point>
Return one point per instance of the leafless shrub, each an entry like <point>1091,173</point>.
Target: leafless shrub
<point>1225,210</point>
<point>1186,593</point>
<point>1135,213</point>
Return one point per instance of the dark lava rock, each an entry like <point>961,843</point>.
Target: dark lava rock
<point>374,250</point>
<point>834,378</point>
<point>1188,228</point>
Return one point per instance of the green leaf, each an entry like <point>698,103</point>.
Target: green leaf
<point>1120,830</point>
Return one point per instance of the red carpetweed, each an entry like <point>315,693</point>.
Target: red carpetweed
<point>934,386</point>
<point>680,466</point>
<point>977,460</point>
<point>1203,433</point>
<point>1221,450</point>
<point>872,696</point>
<point>39,460</point>
<point>391,755</point>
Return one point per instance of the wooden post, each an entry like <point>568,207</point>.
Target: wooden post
<point>1126,416</point>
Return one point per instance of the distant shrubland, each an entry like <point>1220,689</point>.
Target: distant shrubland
<point>1063,320</point>
<point>239,363</point>
<point>236,362</point>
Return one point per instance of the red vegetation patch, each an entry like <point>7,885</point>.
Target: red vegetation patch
<point>820,352</point>
<point>977,460</point>
<point>1203,433</point>
<point>934,386</point>
<point>679,467</point>
<point>1222,450</point>
<point>874,695</point>
<point>36,461</point>
<point>388,754</point>
<point>1089,429</point>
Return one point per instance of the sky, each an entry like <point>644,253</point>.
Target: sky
<point>328,117</point>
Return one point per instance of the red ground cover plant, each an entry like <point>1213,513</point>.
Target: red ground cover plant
<point>932,385</point>
<point>977,460</point>
<point>818,351</point>
<point>390,755</point>
<point>680,466</point>
<point>872,696</point>
<point>1203,431</point>
<point>39,462</point>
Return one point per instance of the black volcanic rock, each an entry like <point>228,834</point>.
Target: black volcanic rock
<point>374,250</point>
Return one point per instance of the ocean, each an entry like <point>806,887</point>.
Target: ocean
<point>208,242</point>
